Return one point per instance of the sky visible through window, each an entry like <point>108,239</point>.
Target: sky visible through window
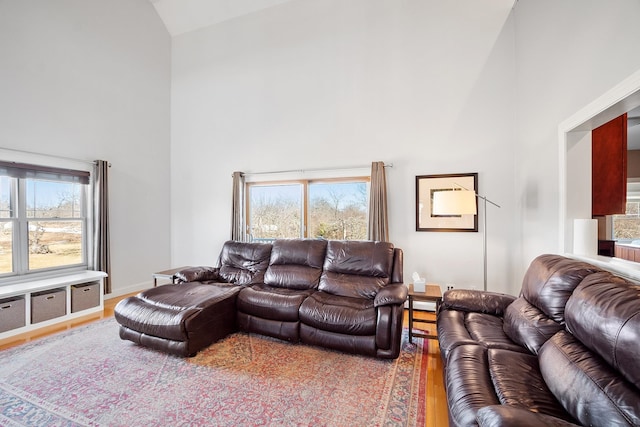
<point>47,194</point>
<point>347,193</point>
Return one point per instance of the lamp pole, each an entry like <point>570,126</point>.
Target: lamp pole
<point>484,234</point>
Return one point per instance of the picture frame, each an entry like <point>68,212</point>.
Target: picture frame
<point>427,185</point>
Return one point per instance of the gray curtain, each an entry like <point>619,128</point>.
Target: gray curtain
<point>101,244</point>
<point>378,215</point>
<point>237,209</point>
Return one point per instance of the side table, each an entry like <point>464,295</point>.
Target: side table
<point>432,293</point>
<point>167,275</point>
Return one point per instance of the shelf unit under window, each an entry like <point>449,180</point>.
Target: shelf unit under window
<point>31,305</point>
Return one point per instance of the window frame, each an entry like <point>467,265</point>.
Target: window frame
<point>20,268</point>
<point>305,183</point>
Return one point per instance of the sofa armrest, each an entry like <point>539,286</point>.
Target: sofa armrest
<point>197,274</point>
<point>476,301</point>
<point>511,416</point>
<point>394,293</point>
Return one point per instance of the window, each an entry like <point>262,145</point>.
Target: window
<point>330,209</point>
<point>43,219</point>
<point>627,227</point>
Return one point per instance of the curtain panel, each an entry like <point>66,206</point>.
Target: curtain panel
<point>378,215</point>
<point>101,244</point>
<point>238,232</point>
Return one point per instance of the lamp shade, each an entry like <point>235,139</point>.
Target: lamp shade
<point>454,202</point>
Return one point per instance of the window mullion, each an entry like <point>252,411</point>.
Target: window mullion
<point>21,242</point>
<point>305,208</point>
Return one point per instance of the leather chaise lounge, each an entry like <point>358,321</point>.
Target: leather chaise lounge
<point>182,320</point>
<point>564,353</point>
<point>347,296</point>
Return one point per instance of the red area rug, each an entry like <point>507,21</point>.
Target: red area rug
<point>89,377</point>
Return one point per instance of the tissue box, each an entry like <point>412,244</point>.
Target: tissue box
<point>418,285</point>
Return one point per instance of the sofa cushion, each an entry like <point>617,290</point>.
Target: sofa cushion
<point>296,263</point>
<point>528,326</point>
<point>345,315</point>
<point>269,302</point>
<point>243,263</point>
<point>518,382</point>
<point>468,384</point>
<point>586,386</point>
<point>550,280</point>
<point>452,332</point>
<point>604,314</point>
<point>488,330</point>
<point>539,311</point>
<point>172,311</point>
<point>509,416</point>
<point>356,269</point>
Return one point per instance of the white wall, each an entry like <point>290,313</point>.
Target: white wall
<point>425,85</point>
<point>91,80</point>
<point>568,54</point>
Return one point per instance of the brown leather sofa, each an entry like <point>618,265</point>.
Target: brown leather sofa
<point>564,353</point>
<point>344,295</point>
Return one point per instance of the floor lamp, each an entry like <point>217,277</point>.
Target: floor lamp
<point>463,202</point>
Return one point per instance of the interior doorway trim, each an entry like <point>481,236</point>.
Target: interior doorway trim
<point>618,100</point>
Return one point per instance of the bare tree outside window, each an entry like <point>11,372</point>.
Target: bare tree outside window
<point>338,211</point>
<point>55,224</point>
<point>275,212</point>
<point>627,227</point>
<point>335,210</point>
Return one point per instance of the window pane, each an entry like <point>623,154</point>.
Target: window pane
<point>338,210</point>
<point>275,211</point>
<point>5,197</point>
<point>55,243</point>
<point>627,227</point>
<point>53,199</point>
<point>6,247</point>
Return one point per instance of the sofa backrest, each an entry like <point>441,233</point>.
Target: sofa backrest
<point>296,263</point>
<point>592,366</point>
<point>243,263</point>
<point>604,314</point>
<point>358,268</point>
<point>538,313</point>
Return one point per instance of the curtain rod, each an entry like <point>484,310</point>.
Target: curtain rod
<point>390,165</point>
<point>90,162</point>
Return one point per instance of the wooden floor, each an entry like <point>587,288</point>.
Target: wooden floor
<point>436,398</point>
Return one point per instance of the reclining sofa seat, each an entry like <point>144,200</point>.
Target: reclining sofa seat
<point>182,319</point>
<point>359,304</point>
<point>272,308</point>
<point>557,355</point>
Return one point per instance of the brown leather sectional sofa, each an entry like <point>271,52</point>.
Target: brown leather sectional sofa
<point>565,352</point>
<point>343,295</point>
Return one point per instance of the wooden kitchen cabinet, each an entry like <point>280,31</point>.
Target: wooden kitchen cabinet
<point>609,168</point>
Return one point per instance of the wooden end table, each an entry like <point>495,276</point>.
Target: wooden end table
<point>166,274</point>
<point>432,293</point>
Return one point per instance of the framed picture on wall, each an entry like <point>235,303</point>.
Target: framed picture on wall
<point>427,186</point>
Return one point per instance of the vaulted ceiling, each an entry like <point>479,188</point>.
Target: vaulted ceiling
<point>182,16</point>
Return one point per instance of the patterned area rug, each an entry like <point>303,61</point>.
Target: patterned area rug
<point>89,377</point>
